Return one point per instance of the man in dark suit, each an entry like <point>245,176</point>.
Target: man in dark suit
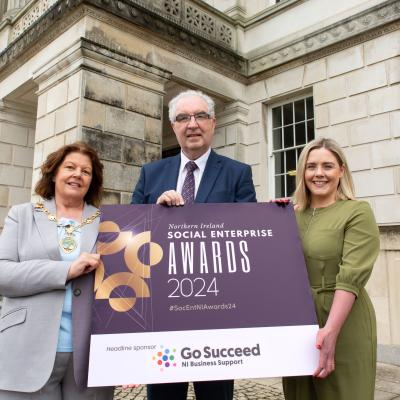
<point>200,175</point>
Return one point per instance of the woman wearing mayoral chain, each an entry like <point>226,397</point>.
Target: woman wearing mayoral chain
<point>340,241</point>
<point>47,263</point>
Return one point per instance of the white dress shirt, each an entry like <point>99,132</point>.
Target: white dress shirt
<point>198,172</point>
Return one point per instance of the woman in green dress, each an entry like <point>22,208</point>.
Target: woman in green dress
<point>340,241</point>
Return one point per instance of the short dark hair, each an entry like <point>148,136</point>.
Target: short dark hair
<point>46,186</point>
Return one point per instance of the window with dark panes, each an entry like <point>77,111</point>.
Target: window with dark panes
<point>292,128</point>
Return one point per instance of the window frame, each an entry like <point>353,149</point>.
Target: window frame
<point>271,153</point>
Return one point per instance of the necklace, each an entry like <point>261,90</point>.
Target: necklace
<point>67,243</point>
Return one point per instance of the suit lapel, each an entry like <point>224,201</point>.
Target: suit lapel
<point>210,174</point>
<point>171,172</point>
<point>89,231</point>
<point>48,230</point>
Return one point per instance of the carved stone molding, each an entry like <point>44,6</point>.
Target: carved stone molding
<point>178,34</point>
<point>189,15</point>
<point>37,9</point>
<point>139,15</point>
<point>184,12</point>
<point>377,16</point>
<point>326,51</point>
<point>167,33</point>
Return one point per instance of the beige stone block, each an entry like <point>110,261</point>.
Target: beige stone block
<point>125,123</point>
<point>348,109</point>
<point>255,112</point>
<point>387,210</point>
<point>11,175</point>
<point>394,299</point>
<point>366,79</point>
<point>381,306</point>
<point>5,153</point>
<point>384,100</point>
<point>28,177</point>
<point>256,92</point>
<point>57,96</point>
<point>382,48</point>
<point>104,90</point>
<point>260,193</point>
<point>74,86</point>
<point>252,154</point>
<point>219,138</point>
<point>126,197</point>
<point>45,127</point>
<point>67,117</point>
<point>377,283</point>
<point>38,155</point>
<point>23,156</point>
<point>395,123</point>
<point>393,68</point>
<point>144,102</point>
<point>3,215</point>
<point>255,171</point>
<point>227,151</point>
<point>52,144</point>
<point>4,193</point>
<point>13,134</point>
<point>336,132</point>
<point>153,130</point>
<point>36,174</point>
<point>345,61</point>
<point>152,152</point>
<point>321,115</point>
<point>31,137</point>
<point>386,153</point>
<point>119,176</point>
<point>251,134</point>
<point>315,72</point>
<point>19,195</point>
<point>329,90</point>
<point>370,129</point>
<point>358,157</point>
<point>72,136</point>
<point>232,134</point>
<point>110,197</point>
<point>397,179</point>
<point>42,105</point>
<point>374,183</point>
<point>285,81</point>
<point>93,114</point>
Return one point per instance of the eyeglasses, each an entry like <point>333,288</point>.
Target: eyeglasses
<point>199,117</point>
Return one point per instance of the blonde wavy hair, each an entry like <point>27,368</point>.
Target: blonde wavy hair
<point>345,190</point>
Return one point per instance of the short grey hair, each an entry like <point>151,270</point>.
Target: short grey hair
<point>190,93</point>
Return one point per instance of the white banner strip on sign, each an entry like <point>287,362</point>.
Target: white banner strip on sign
<point>179,356</point>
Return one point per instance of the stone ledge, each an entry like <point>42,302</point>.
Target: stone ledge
<point>375,17</point>
<point>137,13</point>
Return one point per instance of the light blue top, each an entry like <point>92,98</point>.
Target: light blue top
<point>65,334</point>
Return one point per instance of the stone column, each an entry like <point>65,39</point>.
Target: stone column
<point>114,106</point>
<point>16,155</point>
<point>234,139</point>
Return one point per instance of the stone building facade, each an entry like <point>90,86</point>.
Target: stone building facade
<point>282,72</point>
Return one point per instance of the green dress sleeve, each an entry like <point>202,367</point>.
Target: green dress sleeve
<point>360,249</point>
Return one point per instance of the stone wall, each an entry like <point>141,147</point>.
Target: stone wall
<point>16,156</point>
<point>357,102</point>
<point>116,109</point>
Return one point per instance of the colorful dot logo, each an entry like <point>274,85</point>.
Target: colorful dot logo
<point>165,358</point>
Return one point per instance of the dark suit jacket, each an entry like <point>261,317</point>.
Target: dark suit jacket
<point>224,181</point>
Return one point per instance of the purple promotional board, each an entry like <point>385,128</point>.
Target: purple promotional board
<point>201,292</point>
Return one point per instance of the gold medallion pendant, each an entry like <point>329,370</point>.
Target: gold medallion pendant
<point>68,244</point>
